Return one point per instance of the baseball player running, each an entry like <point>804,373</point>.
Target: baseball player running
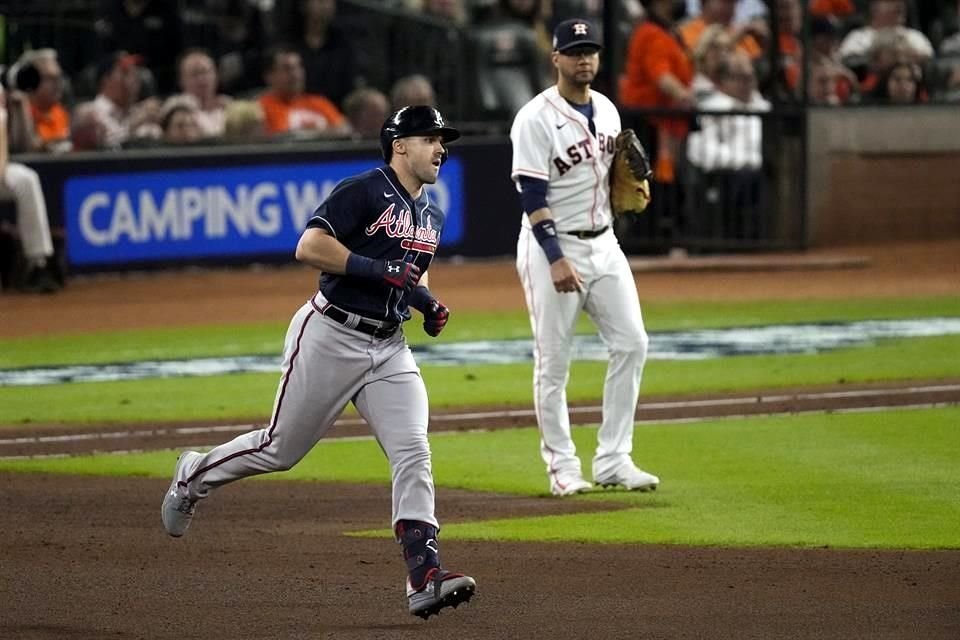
<point>373,239</point>
<point>569,259</point>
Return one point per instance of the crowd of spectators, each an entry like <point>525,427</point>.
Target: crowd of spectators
<point>232,70</point>
<point>693,80</point>
<point>696,78</point>
<point>185,73</point>
<point>853,45</point>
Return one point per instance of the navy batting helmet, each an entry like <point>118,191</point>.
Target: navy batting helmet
<point>417,120</point>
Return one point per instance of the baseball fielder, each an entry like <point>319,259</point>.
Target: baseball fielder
<point>569,259</point>
<point>372,239</point>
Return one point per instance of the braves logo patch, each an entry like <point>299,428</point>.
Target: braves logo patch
<point>399,224</point>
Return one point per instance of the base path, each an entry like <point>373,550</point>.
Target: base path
<point>61,440</point>
<point>239,296</point>
<point>87,558</point>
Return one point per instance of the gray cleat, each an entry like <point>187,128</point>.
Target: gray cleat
<point>178,509</point>
<point>442,589</point>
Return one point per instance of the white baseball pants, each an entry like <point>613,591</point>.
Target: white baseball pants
<point>610,299</point>
<point>21,184</point>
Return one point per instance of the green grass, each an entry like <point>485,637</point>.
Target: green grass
<point>193,342</point>
<point>885,479</point>
<point>876,480</point>
<point>250,396</point>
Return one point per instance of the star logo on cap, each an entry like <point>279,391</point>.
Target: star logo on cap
<point>580,29</point>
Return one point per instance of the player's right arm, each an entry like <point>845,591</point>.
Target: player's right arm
<point>340,215</point>
<point>565,277</point>
<point>531,169</point>
<point>322,251</point>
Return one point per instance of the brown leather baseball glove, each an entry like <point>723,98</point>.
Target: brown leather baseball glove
<point>629,175</point>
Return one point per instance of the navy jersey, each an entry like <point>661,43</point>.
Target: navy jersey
<point>373,216</point>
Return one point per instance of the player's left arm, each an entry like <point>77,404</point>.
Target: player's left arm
<point>531,142</point>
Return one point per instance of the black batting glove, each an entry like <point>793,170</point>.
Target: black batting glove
<point>435,318</point>
<point>435,313</point>
<point>399,274</point>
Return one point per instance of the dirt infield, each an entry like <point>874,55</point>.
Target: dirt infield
<point>209,297</point>
<point>87,557</point>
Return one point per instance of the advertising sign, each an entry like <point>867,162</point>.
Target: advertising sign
<point>216,212</point>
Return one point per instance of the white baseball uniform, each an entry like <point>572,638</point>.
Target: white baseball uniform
<point>21,184</point>
<point>552,141</point>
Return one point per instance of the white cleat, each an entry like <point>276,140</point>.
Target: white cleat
<point>632,479</point>
<point>569,484</point>
<point>178,509</point>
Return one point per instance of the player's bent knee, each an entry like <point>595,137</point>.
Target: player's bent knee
<point>284,458</point>
<point>635,348</point>
<point>21,177</point>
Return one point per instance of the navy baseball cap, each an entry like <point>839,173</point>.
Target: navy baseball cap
<point>575,33</point>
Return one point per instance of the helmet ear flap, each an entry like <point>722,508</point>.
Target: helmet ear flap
<point>386,148</point>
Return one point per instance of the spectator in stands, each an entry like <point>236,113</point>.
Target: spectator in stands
<point>330,59</point>
<point>836,9</point>
<point>244,122</point>
<point>240,35</point>
<point>197,75</point>
<point>125,117</point>
<point>288,108</point>
<point>413,89</point>
<point>510,67</point>
<point>789,28</point>
<point>902,84</point>
<point>21,136</point>
<point>824,39</point>
<point>658,74</point>
<point>532,15</point>
<point>366,109</point>
<point>949,65</point>
<point>824,52</point>
<point>745,11</point>
<point>714,46</point>
<point>88,129</point>
<point>736,88</point>
<point>888,48</point>
<point>937,19</point>
<point>21,184</point>
<point>950,47</point>
<point>748,37</point>
<point>727,154</point>
<point>150,28</point>
<point>180,122</point>
<point>886,16</point>
<point>822,84</point>
<point>40,77</point>
<point>452,11</point>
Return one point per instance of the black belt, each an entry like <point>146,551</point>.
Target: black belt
<point>368,327</point>
<point>584,235</point>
